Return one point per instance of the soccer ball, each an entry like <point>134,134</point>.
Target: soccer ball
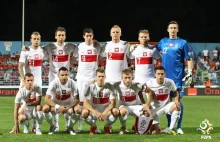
<point>205,127</point>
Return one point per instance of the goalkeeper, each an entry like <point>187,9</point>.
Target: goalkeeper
<point>174,51</point>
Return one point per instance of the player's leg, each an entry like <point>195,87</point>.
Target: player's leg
<point>179,124</point>
<point>111,119</point>
<point>39,118</point>
<point>23,118</point>
<point>74,116</point>
<point>52,76</point>
<point>174,111</point>
<point>89,119</point>
<point>48,116</point>
<point>124,112</point>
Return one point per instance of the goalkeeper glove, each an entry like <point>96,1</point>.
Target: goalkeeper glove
<point>188,78</point>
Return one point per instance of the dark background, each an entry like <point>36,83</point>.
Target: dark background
<point>198,21</point>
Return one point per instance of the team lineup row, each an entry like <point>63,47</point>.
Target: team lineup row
<point>173,51</point>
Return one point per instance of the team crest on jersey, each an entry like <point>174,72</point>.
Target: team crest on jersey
<point>127,93</point>
<point>89,51</point>
<point>117,49</point>
<point>160,90</point>
<point>171,44</point>
<point>60,52</point>
<point>64,92</point>
<point>166,90</point>
<point>144,53</point>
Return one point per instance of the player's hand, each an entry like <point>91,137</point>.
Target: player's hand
<point>103,116</point>
<point>96,43</point>
<point>16,129</point>
<point>177,105</point>
<point>98,115</point>
<point>188,78</point>
<point>25,48</point>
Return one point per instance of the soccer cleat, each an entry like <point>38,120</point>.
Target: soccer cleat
<point>51,131</point>
<point>171,132</point>
<point>78,130</point>
<point>159,129</point>
<point>107,130</point>
<point>97,131</point>
<point>122,131</point>
<point>92,130</point>
<point>33,130</point>
<point>72,132</point>
<point>38,132</point>
<point>166,130</point>
<point>26,128</point>
<point>180,131</point>
<point>111,130</point>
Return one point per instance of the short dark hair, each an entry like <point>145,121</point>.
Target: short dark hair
<point>126,71</point>
<point>28,75</point>
<point>88,30</point>
<point>160,68</point>
<point>62,29</point>
<point>173,22</point>
<point>63,69</point>
<point>100,71</point>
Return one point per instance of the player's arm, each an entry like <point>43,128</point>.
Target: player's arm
<point>109,108</point>
<point>34,103</point>
<point>74,102</point>
<point>21,71</point>
<point>149,99</point>
<point>16,123</point>
<point>57,107</point>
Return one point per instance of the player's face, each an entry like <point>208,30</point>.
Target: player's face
<point>35,40</point>
<point>160,75</point>
<point>63,76</point>
<point>100,78</point>
<point>60,36</point>
<point>115,33</point>
<point>88,37</point>
<point>173,30</point>
<point>29,82</point>
<point>143,38</point>
<point>127,79</point>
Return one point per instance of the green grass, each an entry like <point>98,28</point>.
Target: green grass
<point>196,110</point>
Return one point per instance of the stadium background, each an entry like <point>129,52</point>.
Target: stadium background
<point>203,69</point>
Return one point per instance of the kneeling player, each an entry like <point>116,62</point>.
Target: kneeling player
<point>99,103</point>
<point>159,100</point>
<point>30,98</point>
<point>61,97</point>
<point>128,102</point>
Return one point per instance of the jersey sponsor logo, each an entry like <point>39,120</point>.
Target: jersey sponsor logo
<point>88,58</point>
<point>100,100</point>
<point>34,63</point>
<point>60,58</point>
<point>144,60</point>
<point>115,56</point>
<point>116,49</point>
<point>89,51</point>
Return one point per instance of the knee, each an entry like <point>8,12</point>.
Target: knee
<point>22,118</point>
<point>115,112</point>
<point>123,111</point>
<point>85,113</point>
<point>46,109</point>
<point>39,107</point>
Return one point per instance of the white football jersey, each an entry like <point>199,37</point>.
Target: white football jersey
<point>127,95</point>
<point>100,96</point>
<point>62,94</point>
<point>162,92</point>
<point>59,57</point>
<point>116,59</point>
<point>88,61</point>
<point>144,62</point>
<point>33,63</point>
<point>28,95</point>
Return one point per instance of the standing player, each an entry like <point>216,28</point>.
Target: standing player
<point>27,105</point>
<point>88,55</point>
<point>99,103</point>
<point>60,97</point>
<point>31,62</point>
<point>144,55</point>
<point>128,104</point>
<point>116,53</point>
<point>159,99</point>
<point>174,51</point>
